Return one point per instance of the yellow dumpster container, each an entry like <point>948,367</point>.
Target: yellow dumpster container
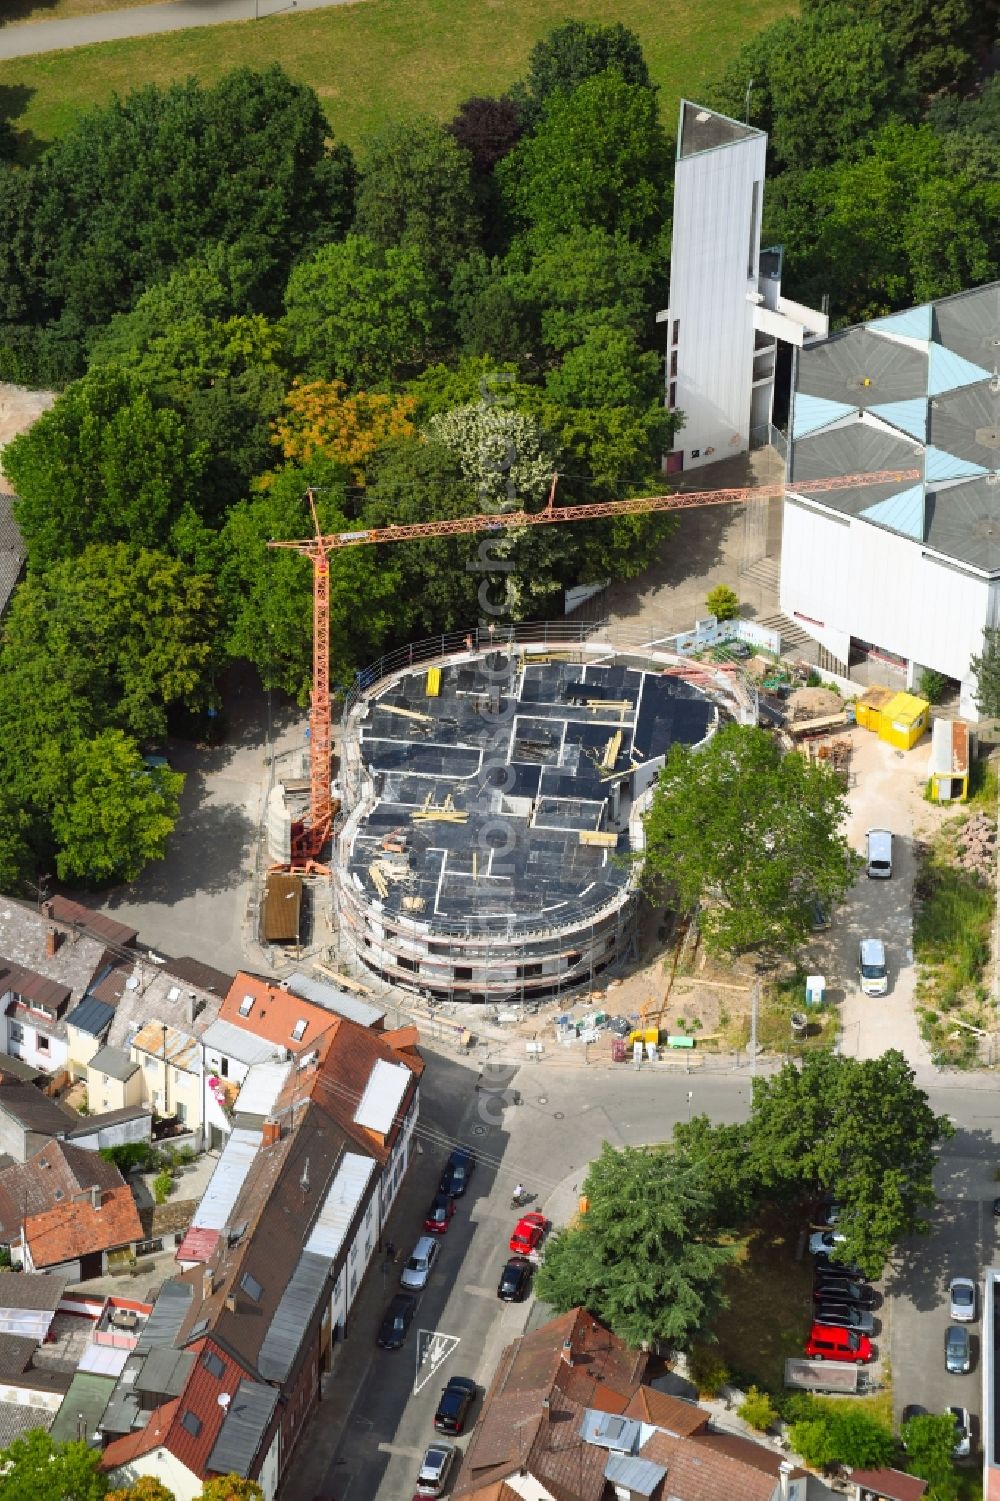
<point>869,707</point>
<point>433,682</point>
<point>905,719</point>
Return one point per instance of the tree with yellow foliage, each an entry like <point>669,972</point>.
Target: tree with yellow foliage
<point>321,418</point>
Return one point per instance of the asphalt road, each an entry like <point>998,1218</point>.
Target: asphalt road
<point>546,1140</point>
<point>142,20</point>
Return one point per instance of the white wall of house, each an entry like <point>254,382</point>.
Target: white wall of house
<point>33,1041</point>
<point>165,1467</point>
<point>268,1477</point>
<point>713,286</point>
<point>399,1159</point>
<point>844,576</point>
<point>528,1488</point>
<point>173,1091</point>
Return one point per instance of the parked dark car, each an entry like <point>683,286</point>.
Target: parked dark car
<point>453,1408</point>
<point>457,1172</point>
<point>439,1214</point>
<point>845,1316</point>
<point>844,1290</point>
<point>515,1279</point>
<point>827,1263</point>
<point>397,1320</point>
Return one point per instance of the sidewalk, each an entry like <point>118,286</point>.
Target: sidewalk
<point>143,20</point>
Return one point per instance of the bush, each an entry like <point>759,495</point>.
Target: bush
<point>707,1370</point>
<point>723,602</point>
<point>163,1186</point>
<point>758,1410</point>
<point>932,685</point>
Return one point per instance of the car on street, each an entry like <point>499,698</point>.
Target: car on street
<point>396,1321</point>
<point>963,1432</point>
<point>825,1343</point>
<point>453,1407</point>
<point>878,854</point>
<point>825,1262</point>
<point>830,1289</point>
<point>457,1172</point>
<point>957,1350</point>
<point>829,1215</point>
<point>439,1215</point>
<point>910,1411</point>
<point>846,1316</point>
<point>962,1300</point>
<point>515,1280</point>
<point>825,1240</point>
<point>435,1470</point>
<point>873,970</point>
<point>417,1267</point>
<point>528,1234</point>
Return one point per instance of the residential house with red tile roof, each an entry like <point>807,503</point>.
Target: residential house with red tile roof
<point>568,1417</point>
<point>286,1230</point>
<point>275,1014</point>
<point>56,1173</point>
<point>75,1237</point>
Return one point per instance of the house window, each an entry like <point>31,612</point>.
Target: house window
<point>299,1031</point>
<point>191,1423</point>
<point>410,964</point>
<point>754,230</point>
<point>16,1032</point>
<point>224,1068</point>
<point>181,1111</point>
<point>675,335</point>
<point>42,1043</point>
<point>673,363</point>
<point>246,1005</point>
<point>251,1287</point>
<point>213,1364</point>
<point>672,400</point>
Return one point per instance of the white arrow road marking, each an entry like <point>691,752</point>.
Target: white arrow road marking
<point>432,1349</point>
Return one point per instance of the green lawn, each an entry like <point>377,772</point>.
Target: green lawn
<point>377,59</point>
<point>770,1302</point>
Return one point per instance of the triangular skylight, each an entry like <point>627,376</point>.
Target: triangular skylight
<point>903,512</point>
<point>814,412</point>
<point>910,415</point>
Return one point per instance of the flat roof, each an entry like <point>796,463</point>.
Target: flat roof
<point>282,907</point>
<point>486,790</point>
<point>914,391</point>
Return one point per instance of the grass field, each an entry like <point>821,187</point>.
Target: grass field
<point>377,59</point>
<point>770,1302</point>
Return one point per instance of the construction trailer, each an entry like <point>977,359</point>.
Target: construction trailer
<point>898,718</point>
<point>948,767</point>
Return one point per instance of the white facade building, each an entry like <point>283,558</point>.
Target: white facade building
<point>906,570</point>
<point>726,310</point>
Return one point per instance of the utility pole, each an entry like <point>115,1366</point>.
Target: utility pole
<point>754,1002</point>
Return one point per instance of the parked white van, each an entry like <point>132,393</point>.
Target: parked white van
<point>879,854</point>
<point>872,968</point>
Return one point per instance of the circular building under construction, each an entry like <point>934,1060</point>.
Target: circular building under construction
<point>493,800</point>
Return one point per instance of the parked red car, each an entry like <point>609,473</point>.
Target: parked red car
<point>528,1234</point>
<point>440,1214</point>
<point>828,1343</point>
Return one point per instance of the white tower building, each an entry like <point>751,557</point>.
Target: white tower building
<point>726,310</point>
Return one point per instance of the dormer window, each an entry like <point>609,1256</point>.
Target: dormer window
<point>246,1005</point>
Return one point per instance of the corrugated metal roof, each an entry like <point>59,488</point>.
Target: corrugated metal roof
<point>91,1016</point>
<point>114,1062</point>
<point>198,1244</point>
<point>641,1476</point>
<point>157,1039</point>
<point>165,1371</point>
<point>169,1312</point>
<point>283,1339</point>
<point>225,1183</point>
<point>246,1422</point>
<point>340,1205</point>
<point>282,907</point>
<point>86,1399</point>
<point>387,1084</point>
<point>332,999</point>
<point>238,1043</point>
<point>261,1088</point>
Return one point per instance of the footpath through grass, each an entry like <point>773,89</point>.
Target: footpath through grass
<point>381,59</point>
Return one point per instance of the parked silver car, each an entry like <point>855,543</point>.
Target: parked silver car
<point>418,1264</point>
<point>962,1300</point>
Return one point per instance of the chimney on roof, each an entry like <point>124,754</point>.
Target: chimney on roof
<point>52,940</point>
<point>784,1471</point>
<point>189,1008</point>
<point>95,1197</point>
<point>207,1282</point>
<point>231,1303</point>
<point>567,1351</point>
<point>271,1133</point>
<point>46,909</point>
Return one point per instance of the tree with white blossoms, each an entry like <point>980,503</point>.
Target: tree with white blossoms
<point>504,453</point>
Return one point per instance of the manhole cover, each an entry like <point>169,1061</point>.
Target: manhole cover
<point>479,1130</point>
<point>557,1115</point>
<point>543,1099</point>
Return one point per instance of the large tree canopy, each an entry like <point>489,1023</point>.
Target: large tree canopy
<point>751,837</point>
<point>574,52</point>
<point>642,1259</point>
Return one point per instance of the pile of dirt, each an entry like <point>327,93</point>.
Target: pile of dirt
<point>977,847</point>
<point>813,703</point>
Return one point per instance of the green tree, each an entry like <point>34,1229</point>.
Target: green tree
<point>504,455</point>
<point>598,158</point>
<point>758,1410</point>
<point>111,814</point>
<point>842,1435</point>
<point>104,464</point>
<point>33,1468</point>
<point>416,194</point>
<point>720,1155</point>
<point>358,313</point>
<point>575,52</point>
<point>125,634</point>
<point>231,1488</point>
<point>584,280</point>
<point>935,42</point>
<point>818,85</point>
<point>986,669</point>
<point>146,1488</point>
<point>750,837</point>
<point>930,1441</point>
<point>641,1259</point>
<point>267,592</point>
<point>805,1126</point>
<point>723,602</point>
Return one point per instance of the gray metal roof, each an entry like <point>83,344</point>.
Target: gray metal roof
<point>92,1016</point>
<point>169,1312</point>
<point>114,1062</point>
<point>387,1084</point>
<point>640,1476</point>
<point>244,1427</point>
<point>332,999</point>
<point>347,1191</point>
<point>226,1181</point>
<point>283,1340</point>
<point>861,368</point>
<point>237,1042</point>
<point>165,1371</point>
<point>86,1400</point>
<point>609,1431</point>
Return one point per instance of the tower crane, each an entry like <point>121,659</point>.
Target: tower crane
<point>309,838</point>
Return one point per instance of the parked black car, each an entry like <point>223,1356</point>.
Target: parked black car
<point>453,1408</point>
<point>844,1290</point>
<point>515,1279</point>
<point>826,1263</point>
<point>457,1172</point>
<point>397,1320</point>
